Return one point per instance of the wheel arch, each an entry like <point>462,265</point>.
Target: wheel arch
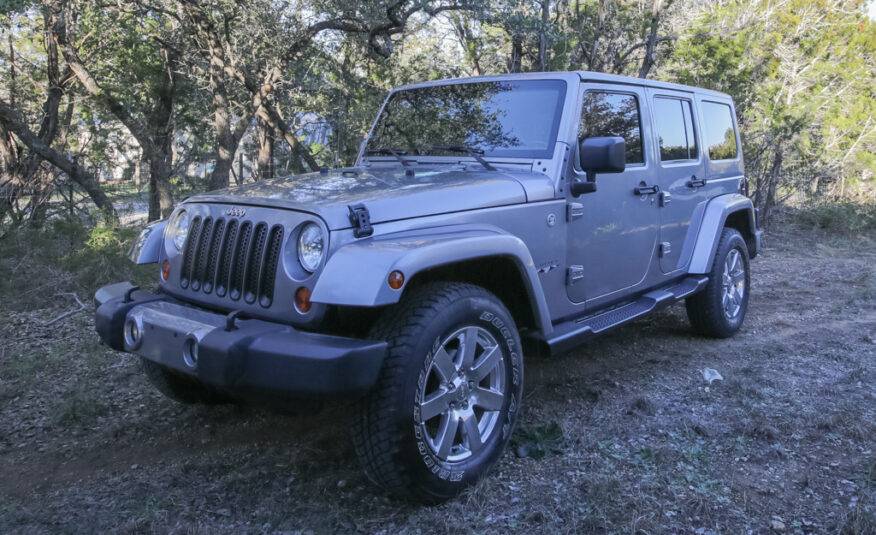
<point>356,274</point>
<point>727,211</point>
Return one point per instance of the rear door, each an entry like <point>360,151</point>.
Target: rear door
<point>680,173</point>
<point>612,231</point>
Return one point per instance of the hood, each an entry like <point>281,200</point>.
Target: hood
<point>387,192</point>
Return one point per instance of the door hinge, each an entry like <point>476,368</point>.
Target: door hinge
<point>574,274</point>
<point>361,220</point>
<point>574,210</point>
<point>665,198</point>
<point>665,248</point>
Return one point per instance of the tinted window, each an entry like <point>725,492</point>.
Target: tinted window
<point>613,115</point>
<point>718,133</point>
<point>673,122</point>
<point>514,119</point>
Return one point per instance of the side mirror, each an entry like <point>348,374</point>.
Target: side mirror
<point>599,155</point>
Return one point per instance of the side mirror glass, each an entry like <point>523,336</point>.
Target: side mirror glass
<point>599,155</point>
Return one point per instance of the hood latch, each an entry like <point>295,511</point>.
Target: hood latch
<point>361,220</point>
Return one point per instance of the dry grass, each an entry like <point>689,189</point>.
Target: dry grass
<point>623,436</point>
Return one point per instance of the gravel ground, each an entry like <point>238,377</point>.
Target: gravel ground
<point>621,436</point>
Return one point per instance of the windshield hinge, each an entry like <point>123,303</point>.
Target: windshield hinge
<point>361,220</point>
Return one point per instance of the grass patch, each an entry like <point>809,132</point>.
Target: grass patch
<point>27,366</point>
<point>847,217</point>
<point>80,405</point>
<point>538,441</point>
<point>65,256</point>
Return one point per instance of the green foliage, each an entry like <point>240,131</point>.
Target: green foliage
<point>538,441</point>
<point>845,216</point>
<point>66,256</point>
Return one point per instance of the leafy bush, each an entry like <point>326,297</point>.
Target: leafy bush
<point>840,216</point>
<point>65,256</point>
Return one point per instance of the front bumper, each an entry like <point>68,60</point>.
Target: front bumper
<point>242,356</point>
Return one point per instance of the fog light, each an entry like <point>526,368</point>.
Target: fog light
<point>302,299</point>
<point>165,270</point>
<point>133,332</point>
<point>396,280</point>
<point>190,353</point>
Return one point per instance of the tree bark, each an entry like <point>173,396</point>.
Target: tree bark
<point>515,61</point>
<point>271,114</point>
<point>650,57</point>
<point>265,160</point>
<point>542,34</point>
<point>13,123</point>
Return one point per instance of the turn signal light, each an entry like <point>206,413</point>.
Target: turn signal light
<point>396,280</point>
<point>165,270</point>
<point>302,299</point>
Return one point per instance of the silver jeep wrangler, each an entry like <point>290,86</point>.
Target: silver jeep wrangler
<point>485,219</point>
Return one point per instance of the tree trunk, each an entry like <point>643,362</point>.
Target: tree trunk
<point>516,59</point>
<point>160,152</point>
<point>542,35</point>
<point>651,47</point>
<point>265,160</point>
<point>160,193</point>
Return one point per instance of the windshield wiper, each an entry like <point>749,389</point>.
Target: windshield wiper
<point>390,152</point>
<point>471,151</point>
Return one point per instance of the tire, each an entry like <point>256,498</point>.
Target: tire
<point>730,278</point>
<point>179,387</point>
<point>420,394</point>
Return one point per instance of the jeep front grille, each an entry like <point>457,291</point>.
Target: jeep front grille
<point>234,259</point>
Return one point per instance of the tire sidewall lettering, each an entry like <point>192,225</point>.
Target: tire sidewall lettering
<point>437,467</point>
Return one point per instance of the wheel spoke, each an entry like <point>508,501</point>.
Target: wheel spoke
<point>734,255</point>
<point>469,343</point>
<point>444,364</point>
<point>725,300</point>
<point>738,277</point>
<point>472,433</point>
<point>488,399</point>
<point>446,435</point>
<point>486,364</point>
<point>435,404</point>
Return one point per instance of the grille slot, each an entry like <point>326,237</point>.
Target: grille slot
<point>234,259</point>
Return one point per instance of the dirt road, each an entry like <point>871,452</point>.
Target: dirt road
<point>623,435</point>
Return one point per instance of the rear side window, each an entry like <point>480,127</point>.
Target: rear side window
<point>673,122</point>
<point>613,115</point>
<point>718,133</point>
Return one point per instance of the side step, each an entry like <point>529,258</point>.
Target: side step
<point>571,333</point>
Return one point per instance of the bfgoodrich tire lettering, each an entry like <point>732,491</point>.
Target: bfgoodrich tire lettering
<point>429,380</point>
<point>719,309</point>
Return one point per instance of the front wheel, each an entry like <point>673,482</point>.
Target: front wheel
<point>719,309</point>
<point>448,396</point>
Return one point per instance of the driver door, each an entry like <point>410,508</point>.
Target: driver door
<point>613,231</point>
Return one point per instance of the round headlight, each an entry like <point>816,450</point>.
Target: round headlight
<point>178,229</point>
<point>311,245</point>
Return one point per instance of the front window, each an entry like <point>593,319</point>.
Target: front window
<point>515,119</point>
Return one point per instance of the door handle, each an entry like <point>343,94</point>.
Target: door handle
<point>644,189</point>
<point>695,182</point>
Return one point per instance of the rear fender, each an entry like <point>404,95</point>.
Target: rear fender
<point>356,274</point>
<point>714,221</point>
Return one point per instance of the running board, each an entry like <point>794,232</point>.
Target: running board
<point>569,334</point>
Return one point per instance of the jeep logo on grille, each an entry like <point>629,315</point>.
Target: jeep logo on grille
<point>235,212</point>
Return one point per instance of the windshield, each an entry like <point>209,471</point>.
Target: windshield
<point>516,119</point>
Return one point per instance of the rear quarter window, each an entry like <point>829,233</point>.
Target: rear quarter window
<point>719,135</point>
